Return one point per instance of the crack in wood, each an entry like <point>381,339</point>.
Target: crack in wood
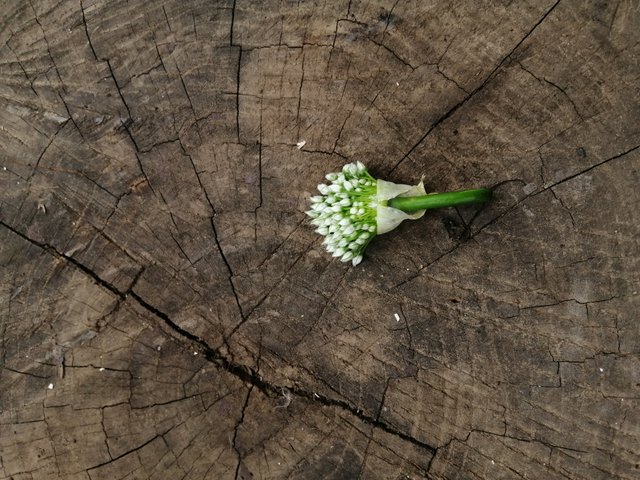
<point>234,441</point>
<point>511,208</point>
<point>215,357</point>
<point>86,31</point>
<point>475,91</point>
<point>238,92</point>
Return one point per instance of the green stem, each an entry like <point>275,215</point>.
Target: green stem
<point>439,200</point>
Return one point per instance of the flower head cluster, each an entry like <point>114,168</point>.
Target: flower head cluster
<point>346,212</point>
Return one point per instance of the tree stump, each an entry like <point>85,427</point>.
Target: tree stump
<point>167,312</point>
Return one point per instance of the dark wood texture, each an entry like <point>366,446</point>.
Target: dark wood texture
<point>167,312</point>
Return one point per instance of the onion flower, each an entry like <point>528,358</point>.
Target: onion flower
<point>354,207</point>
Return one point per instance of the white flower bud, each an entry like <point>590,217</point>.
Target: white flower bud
<point>322,230</point>
<point>331,177</point>
<point>347,256</point>
<point>323,189</point>
<point>356,260</point>
<point>338,252</point>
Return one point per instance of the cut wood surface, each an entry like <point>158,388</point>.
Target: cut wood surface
<point>167,311</point>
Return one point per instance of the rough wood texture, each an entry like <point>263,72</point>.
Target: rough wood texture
<point>167,311</point>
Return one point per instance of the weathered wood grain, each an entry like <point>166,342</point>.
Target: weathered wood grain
<point>166,311</point>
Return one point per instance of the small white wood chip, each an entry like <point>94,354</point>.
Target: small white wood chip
<point>55,117</point>
<point>301,144</point>
<point>50,386</point>
<point>397,317</point>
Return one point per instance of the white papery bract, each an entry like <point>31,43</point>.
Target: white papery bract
<point>353,209</point>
